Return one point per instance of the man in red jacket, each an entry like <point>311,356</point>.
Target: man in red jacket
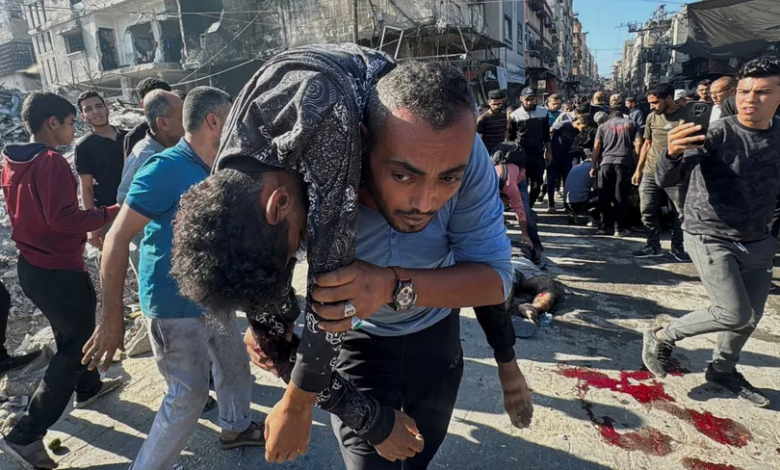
<point>50,232</point>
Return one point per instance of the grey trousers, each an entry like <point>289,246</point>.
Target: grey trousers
<point>650,206</point>
<point>737,277</point>
<point>182,347</point>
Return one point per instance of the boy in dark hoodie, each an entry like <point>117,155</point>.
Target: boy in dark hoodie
<point>50,232</point>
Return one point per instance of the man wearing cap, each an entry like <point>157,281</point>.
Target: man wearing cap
<point>530,127</point>
<point>491,125</point>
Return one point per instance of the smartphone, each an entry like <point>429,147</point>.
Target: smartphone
<point>699,112</point>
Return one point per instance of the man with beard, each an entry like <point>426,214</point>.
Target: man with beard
<point>144,87</point>
<point>734,182</point>
<point>491,125</point>
<point>391,260</point>
<point>666,115</point>
<point>99,159</point>
<point>530,127</point>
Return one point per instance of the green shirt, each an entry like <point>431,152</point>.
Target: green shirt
<point>657,129</point>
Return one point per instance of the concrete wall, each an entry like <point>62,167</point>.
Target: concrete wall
<point>85,66</point>
<point>12,28</point>
<point>20,81</point>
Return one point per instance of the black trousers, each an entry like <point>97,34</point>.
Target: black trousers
<point>557,172</point>
<point>5,310</point>
<point>67,299</point>
<point>534,173</point>
<point>614,192</point>
<point>418,373</point>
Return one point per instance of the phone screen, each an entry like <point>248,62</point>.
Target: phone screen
<point>699,112</point>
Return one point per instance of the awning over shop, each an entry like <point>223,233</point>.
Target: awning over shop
<point>731,28</point>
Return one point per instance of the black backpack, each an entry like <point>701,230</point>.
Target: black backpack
<point>508,152</point>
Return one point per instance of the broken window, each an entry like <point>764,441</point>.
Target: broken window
<point>196,17</point>
<point>157,41</point>
<point>74,42</point>
<point>107,43</point>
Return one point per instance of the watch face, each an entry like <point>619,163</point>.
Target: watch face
<point>405,297</point>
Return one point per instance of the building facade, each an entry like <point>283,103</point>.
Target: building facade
<point>16,48</point>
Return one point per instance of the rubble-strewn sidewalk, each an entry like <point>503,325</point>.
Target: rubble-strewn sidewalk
<point>591,406</point>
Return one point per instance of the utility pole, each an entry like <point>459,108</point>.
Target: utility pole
<point>355,37</point>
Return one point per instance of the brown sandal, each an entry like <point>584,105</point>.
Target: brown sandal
<point>253,436</point>
<point>31,457</point>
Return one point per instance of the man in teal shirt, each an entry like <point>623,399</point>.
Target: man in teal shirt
<point>182,339</point>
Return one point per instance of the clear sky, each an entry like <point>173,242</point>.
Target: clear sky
<point>600,19</point>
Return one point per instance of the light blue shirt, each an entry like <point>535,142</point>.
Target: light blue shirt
<point>468,229</point>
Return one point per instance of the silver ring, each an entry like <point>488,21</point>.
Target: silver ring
<point>349,309</point>
<point>357,323</point>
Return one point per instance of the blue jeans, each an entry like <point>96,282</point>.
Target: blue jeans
<point>533,229</point>
<point>182,348</point>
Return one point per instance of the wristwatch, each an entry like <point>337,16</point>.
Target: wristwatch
<point>405,292</point>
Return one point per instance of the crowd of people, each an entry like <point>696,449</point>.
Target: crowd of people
<point>392,186</point>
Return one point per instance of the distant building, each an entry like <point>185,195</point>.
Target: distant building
<point>16,49</point>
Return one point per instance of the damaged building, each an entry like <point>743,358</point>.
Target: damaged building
<point>16,49</point>
<point>456,31</point>
<point>107,45</point>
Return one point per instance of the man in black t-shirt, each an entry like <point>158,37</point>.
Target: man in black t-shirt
<point>99,159</point>
<point>491,125</point>
<point>614,151</point>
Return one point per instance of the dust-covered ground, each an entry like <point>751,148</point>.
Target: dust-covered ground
<point>592,411</point>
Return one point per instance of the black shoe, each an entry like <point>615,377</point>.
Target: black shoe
<point>655,353</point>
<point>648,252</point>
<point>603,231</point>
<point>11,363</point>
<point>737,384</point>
<point>681,255</point>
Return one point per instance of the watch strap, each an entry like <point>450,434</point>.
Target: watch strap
<point>400,274</point>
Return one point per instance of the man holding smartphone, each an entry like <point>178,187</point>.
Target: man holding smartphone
<point>735,179</point>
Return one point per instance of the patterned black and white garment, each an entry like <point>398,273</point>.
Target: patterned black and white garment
<point>302,112</point>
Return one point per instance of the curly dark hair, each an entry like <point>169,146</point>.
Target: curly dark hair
<point>225,255</point>
<point>761,67</point>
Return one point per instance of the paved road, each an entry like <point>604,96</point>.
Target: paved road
<point>583,420</point>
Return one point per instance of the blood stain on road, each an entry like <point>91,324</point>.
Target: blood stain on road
<point>648,440</point>
<point>643,393</point>
<point>722,430</point>
<point>696,464</point>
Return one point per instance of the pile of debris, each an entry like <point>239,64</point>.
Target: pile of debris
<point>123,115</point>
<point>11,126</point>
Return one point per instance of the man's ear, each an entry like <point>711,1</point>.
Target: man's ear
<point>279,204</point>
<point>53,123</point>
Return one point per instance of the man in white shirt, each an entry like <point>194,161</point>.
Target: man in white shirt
<point>721,89</point>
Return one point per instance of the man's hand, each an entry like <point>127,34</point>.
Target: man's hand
<point>527,240</point>
<point>256,355</point>
<point>365,285</point>
<point>681,138</point>
<point>404,441</point>
<point>287,430</point>
<point>517,396</point>
<point>95,238</point>
<point>109,336</point>
<point>637,178</point>
<point>592,171</point>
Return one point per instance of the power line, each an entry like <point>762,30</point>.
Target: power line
<point>220,51</point>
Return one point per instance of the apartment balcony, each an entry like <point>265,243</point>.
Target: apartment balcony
<point>536,5</point>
